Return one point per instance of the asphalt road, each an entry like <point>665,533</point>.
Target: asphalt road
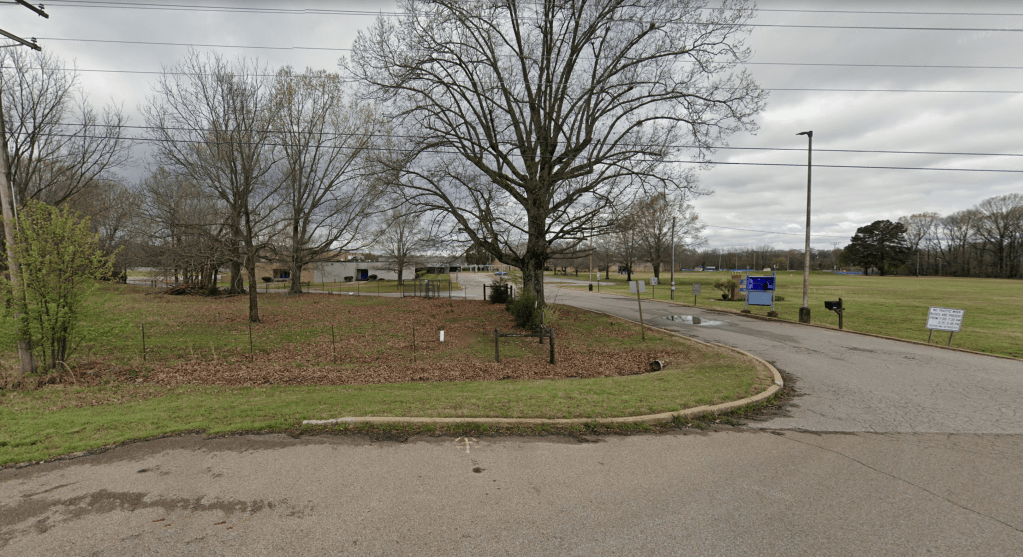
<point>889,449</point>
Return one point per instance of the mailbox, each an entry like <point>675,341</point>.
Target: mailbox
<point>833,306</point>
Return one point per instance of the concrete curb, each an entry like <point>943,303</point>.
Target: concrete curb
<point>647,419</point>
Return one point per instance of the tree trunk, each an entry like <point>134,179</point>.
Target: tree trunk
<point>532,278</point>
<point>296,280</point>
<point>237,285</point>
<point>295,260</point>
<point>253,302</point>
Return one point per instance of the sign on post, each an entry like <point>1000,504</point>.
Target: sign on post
<point>636,287</point>
<point>696,292</point>
<point>653,281</point>
<point>759,290</point>
<point>944,319</point>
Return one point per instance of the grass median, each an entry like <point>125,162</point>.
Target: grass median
<point>199,375</point>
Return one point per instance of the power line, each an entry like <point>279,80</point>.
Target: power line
<point>162,43</point>
<point>853,65</point>
<point>686,146</point>
<point>141,139</point>
<point>332,49</point>
<point>855,166</point>
<point>321,11</point>
<point>773,232</point>
<point>811,64</point>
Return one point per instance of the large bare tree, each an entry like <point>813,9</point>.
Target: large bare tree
<point>213,121</point>
<point>58,144</point>
<point>327,193</point>
<point>527,120</point>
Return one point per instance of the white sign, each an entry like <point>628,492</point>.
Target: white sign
<point>945,319</point>
<point>634,284</point>
<point>696,289</point>
<point>653,281</point>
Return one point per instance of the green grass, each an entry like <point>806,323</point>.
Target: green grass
<point>36,425</point>
<point>60,419</point>
<point>890,306</point>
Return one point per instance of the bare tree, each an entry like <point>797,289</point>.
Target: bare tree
<point>998,226</point>
<point>186,228</point>
<point>529,119</point>
<point>628,245</point>
<point>657,217</point>
<point>213,121</point>
<point>405,234</point>
<point>327,195</point>
<point>58,143</point>
<point>113,210</point>
<point>918,228</point>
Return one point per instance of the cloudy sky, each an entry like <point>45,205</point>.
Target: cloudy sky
<point>912,77</point>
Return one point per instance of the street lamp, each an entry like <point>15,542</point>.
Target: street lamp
<point>804,310</point>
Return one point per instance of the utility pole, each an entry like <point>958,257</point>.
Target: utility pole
<point>10,222</point>
<point>804,310</point>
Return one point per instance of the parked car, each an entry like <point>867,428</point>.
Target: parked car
<point>500,273</point>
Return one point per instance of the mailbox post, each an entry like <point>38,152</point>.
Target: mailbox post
<point>837,308</point>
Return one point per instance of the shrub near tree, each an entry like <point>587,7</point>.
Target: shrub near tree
<point>61,261</point>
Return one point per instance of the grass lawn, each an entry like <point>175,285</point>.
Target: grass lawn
<point>198,374</point>
<point>891,306</point>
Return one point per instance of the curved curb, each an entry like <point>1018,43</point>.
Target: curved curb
<point>647,419</point>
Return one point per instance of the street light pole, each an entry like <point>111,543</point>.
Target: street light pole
<point>804,310</point>
<point>672,257</point>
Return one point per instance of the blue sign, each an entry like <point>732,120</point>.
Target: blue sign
<point>760,284</point>
<point>759,291</point>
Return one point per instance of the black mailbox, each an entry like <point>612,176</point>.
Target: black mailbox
<point>837,308</point>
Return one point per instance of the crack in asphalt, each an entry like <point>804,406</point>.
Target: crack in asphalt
<point>907,482</point>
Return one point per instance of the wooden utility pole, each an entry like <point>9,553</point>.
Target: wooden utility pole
<point>24,341</point>
<point>7,210</point>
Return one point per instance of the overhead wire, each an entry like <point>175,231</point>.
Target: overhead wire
<point>143,139</point>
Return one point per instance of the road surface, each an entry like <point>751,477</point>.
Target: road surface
<point>890,448</point>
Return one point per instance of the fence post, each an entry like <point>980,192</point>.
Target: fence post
<point>497,348</point>
<point>144,342</point>
<point>551,338</point>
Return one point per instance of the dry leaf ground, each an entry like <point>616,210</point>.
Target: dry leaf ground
<point>205,341</point>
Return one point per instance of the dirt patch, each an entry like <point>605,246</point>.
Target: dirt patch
<point>385,340</point>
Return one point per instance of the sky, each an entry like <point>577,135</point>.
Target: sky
<point>934,76</point>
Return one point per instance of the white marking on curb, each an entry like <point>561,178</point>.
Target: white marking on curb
<point>327,422</point>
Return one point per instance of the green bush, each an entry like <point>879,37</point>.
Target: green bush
<point>525,311</point>
<point>500,292</point>
<point>726,286</point>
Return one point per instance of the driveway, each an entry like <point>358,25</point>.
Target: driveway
<point>889,448</point>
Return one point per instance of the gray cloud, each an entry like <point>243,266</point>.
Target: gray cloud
<point>752,197</point>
